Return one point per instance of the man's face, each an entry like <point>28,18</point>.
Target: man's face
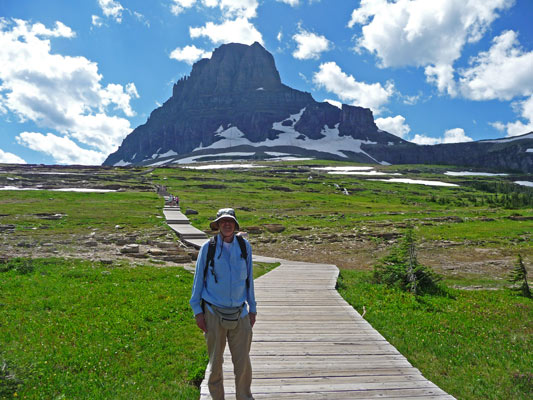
<point>226,226</point>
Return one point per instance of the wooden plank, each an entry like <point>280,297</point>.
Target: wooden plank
<point>341,371</point>
<point>281,386</point>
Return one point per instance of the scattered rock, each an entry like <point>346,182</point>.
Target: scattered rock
<point>48,216</point>
<point>253,230</point>
<point>119,227</point>
<point>91,243</point>
<point>281,188</point>
<point>267,240</point>
<point>10,228</point>
<point>137,255</point>
<point>211,186</point>
<point>178,258</point>
<point>190,211</point>
<point>130,249</point>
<point>156,252</point>
<point>167,245</point>
<point>297,237</point>
<point>274,228</point>
<point>387,235</point>
<point>520,218</point>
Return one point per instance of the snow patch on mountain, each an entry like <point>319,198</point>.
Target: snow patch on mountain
<point>121,163</point>
<point>331,142</point>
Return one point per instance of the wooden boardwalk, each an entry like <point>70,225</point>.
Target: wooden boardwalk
<point>179,223</point>
<point>311,344</point>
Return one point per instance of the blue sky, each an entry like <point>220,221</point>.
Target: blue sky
<point>77,76</point>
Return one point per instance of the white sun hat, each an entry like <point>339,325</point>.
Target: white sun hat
<point>224,213</point>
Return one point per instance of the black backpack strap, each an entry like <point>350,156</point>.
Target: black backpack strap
<point>244,254</point>
<point>242,245</point>
<point>210,259</point>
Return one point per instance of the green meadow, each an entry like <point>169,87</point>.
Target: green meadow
<point>76,328</point>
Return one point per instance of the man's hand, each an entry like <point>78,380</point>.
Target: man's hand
<point>252,318</point>
<point>200,321</point>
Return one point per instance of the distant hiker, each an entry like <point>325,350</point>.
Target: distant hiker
<point>223,302</point>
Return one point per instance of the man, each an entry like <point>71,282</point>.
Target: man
<point>222,292</point>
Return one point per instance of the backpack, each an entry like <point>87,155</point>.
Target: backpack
<point>210,259</point>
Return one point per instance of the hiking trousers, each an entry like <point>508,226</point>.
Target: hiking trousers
<point>239,341</point>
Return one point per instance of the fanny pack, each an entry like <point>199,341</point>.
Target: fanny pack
<point>229,317</point>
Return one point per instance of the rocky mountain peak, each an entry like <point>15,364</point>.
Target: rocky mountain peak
<point>232,68</point>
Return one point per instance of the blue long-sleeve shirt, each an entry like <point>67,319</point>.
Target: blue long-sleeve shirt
<point>231,271</point>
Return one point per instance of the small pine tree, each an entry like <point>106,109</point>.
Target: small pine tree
<point>401,269</point>
<point>519,275</point>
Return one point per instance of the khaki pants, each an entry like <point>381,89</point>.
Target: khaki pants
<point>239,340</point>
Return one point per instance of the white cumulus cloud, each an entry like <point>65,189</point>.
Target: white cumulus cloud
<point>239,30</point>
<point>10,158</point>
<point>395,125</point>
<point>425,140</point>
<point>525,109</point>
<point>189,54</point>
<point>347,88</point>
<point>310,45</point>
<point>238,8</point>
<point>229,8</point>
<point>234,27</point>
<point>335,103</point>
<point>96,21</point>
<point>423,33</point>
<point>112,9</point>
<point>503,72</point>
<point>61,93</point>
<point>62,149</point>
<point>455,135</point>
<point>179,6</point>
<point>292,3</point>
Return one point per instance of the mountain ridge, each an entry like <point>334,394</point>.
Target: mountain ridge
<point>235,102</point>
